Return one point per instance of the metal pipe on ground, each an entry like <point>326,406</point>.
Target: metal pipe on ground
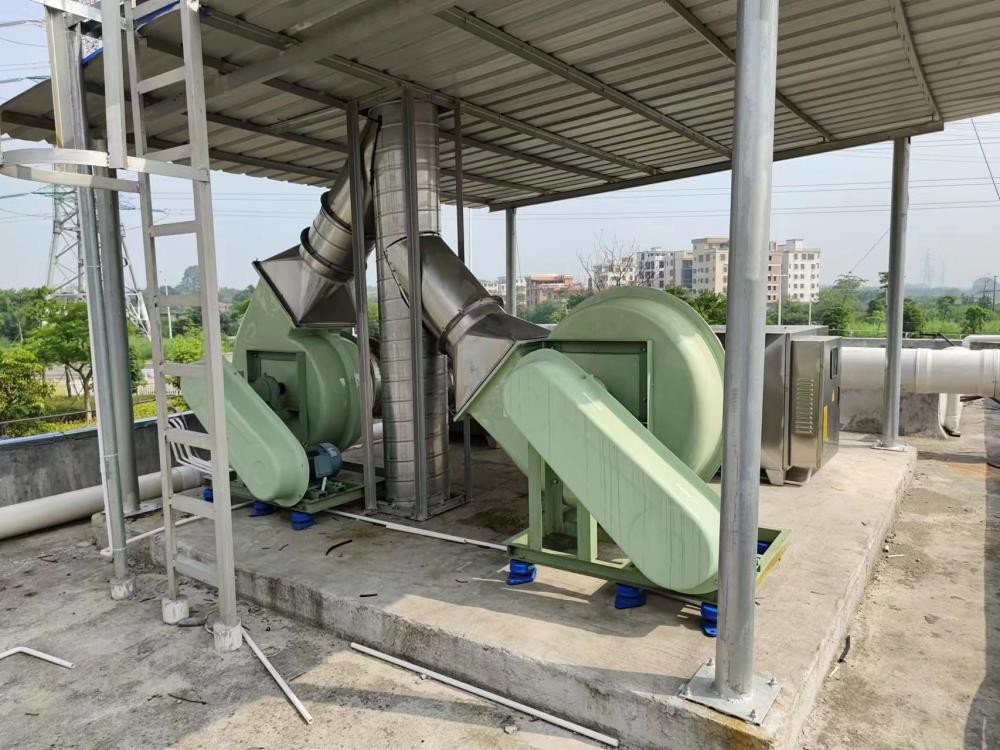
<point>35,515</point>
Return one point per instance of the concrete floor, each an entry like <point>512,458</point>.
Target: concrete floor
<point>129,667</point>
<point>923,670</point>
<point>559,643</point>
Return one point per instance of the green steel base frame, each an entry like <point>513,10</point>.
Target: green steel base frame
<point>622,570</point>
<point>318,498</point>
<point>553,522</point>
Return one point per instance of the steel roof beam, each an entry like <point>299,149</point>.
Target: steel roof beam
<point>541,161</point>
<point>822,147</point>
<point>246,30</point>
<point>347,30</point>
<point>710,36</point>
<point>500,38</point>
<point>912,57</point>
<point>495,181</point>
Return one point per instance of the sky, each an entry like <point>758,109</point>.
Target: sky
<point>836,202</point>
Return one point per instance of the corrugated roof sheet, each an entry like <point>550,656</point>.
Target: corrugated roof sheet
<point>568,97</point>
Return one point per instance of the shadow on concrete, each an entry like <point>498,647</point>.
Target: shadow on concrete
<point>982,728</point>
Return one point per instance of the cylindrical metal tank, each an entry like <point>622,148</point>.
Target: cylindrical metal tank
<point>394,314</point>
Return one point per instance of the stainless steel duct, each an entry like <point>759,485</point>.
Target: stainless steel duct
<point>394,314</point>
<point>310,280</point>
<point>471,325</point>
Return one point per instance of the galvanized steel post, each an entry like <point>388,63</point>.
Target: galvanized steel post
<point>460,229</point>
<point>70,114</point>
<point>511,245</point>
<point>116,320</point>
<point>894,294</point>
<point>355,155</point>
<point>750,217</point>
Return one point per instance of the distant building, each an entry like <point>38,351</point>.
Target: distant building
<point>661,269</point>
<point>498,288</point>
<point>614,273</point>
<point>542,288</point>
<point>793,269</point>
<point>799,271</point>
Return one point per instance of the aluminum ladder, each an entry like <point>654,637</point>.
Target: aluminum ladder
<point>227,630</point>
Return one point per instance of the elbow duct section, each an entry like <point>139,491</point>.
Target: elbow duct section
<point>311,279</point>
<point>952,370</point>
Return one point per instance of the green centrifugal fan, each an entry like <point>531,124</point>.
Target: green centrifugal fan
<point>288,388</point>
<point>615,416</point>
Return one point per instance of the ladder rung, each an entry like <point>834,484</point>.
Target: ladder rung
<point>175,153</point>
<point>193,505</point>
<point>183,369</point>
<point>196,569</point>
<point>174,227</point>
<point>179,300</point>
<point>188,437</point>
<point>160,81</point>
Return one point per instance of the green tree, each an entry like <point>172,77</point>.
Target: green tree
<point>975,319</point>
<point>188,347</point>
<point>837,317</point>
<point>913,317</point>
<point>21,311</point>
<point>190,282</point>
<point>681,292</point>
<point>545,312</point>
<point>135,363</point>
<point>711,306</point>
<point>945,306</point>
<point>64,339</point>
<point>233,315</point>
<point>22,389</point>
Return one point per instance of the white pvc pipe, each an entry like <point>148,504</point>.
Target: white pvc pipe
<point>23,518</point>
<point>419,532</point>
<point>986,338</point>
<point>289,693</point>
<point>952,370</point>
<point>951,421</point>
<point>38,655</point>
<point>531,711</point>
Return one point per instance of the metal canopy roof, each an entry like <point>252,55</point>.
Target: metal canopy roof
<point>559,98</point>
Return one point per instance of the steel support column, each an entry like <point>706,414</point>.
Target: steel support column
<point>460,229</point>
<point>358,188</point>
<point>894,294</point>
<point>510,215</point>
<point>749,231</point>
<point>116,320</point>
<point>729,685</point>
<point>69,109</point>
<point>415,300</point>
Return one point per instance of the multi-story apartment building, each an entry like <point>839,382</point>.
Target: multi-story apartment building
<point>793,269</point>
<point>710,264</point>
<point>661,269</point>
<point>799,271</point>
<point>498,288</point>
<point>619,272</point>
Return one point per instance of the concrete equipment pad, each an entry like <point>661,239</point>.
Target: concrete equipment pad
<point>558,643</point>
